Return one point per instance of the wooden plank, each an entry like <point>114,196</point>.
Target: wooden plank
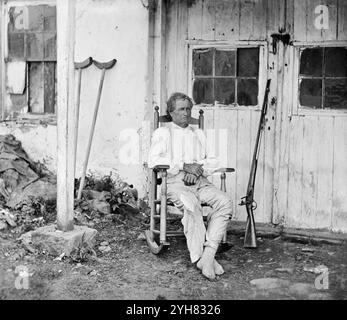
<point>171,39</point>
<point>2,63</point>
<point>310,172</point>
<point>342,20</point>
<point>208,20</point>
<point>315,34</point>
<point>281,142</point>
<point>275,17</point>
<point>312,33</point>
<point>332,32</point>
<point>227,20</point>
<point>289,17</point>
<point>243,158</point>
<point>324,155</point>
<point>246,20</point>
<point>159,55</point>
<point>259,194</point>
<point>339,210</point>
<point>259,20</point>
<point>300,20</point>
<point>181,83</point>
<point>227,120</point>
<point>195,19</point>
<point>65,114</point>
<point>293,216</point>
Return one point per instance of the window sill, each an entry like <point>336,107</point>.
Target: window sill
<point>302,111</point>
<point>33,119</point>
<point>226,107</point>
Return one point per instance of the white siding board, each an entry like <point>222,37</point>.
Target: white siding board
<point>309,172</point>
<point>339,210</point>
<point>293,216</point>
<point>325,135</point>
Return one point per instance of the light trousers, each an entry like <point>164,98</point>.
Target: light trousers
<point>189,200</point>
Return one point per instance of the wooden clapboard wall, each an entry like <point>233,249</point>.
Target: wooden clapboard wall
<point>310,188</point>
<point>302,172</point>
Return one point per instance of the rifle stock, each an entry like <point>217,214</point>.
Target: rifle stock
<point>250,232</point>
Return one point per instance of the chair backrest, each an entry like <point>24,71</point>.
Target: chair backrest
<point>161,119</point>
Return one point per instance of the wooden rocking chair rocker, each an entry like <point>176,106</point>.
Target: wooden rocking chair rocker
<point>157,239</point>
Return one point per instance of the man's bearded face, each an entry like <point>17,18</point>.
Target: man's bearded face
<point>182,113</point>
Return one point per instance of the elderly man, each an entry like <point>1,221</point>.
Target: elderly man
<point>183,148</point>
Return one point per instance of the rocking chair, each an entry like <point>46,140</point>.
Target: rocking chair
<point>157,238</point>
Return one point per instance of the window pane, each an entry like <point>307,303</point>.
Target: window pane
<point>202,91</point>
<point>336,62</point>
<point>36,84</point>
<point>225,63</point>
<point>16,45</point>
<point>311,93</point>
<point>35,18</point>
<point>50,48</point>
<point>202,62</point>
<point>34,50</point>
<point>247,92</point>
<point>225,90</point>
<point>247,62</point>
<point>336,93</point>
<point>311,62</point>
<point>18,19</point>
<point>50,21</point>
<point>49,86</point>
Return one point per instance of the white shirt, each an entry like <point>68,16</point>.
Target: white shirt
<point>174,146</point>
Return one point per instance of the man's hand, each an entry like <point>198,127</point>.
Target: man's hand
<point>189,179</point>
<point>193,168</point>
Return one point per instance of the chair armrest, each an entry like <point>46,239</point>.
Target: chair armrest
<point>225,170</point>
<point>161,167</point>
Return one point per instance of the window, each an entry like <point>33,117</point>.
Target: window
<point>32,39</point>
<point>226,76</point>
<point>323,78</point>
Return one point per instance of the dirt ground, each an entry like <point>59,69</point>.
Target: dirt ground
<point>130,271</point>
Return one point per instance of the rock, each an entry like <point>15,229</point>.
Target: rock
<point>269,283</point>
<point>306,249</point>
<point>93,194</point>
<point>104,249</point>
<point>55,242</point>
<point>41,188</point>
<point>141,236</point>
<point>104,243</point>
<point>3,225</point>
<point>8,217</point>
<point>289,270</point>
<point>100,206</point>
<point>93,273</point>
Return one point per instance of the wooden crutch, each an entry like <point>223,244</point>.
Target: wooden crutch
<point>79,66</point>
<point>103,66</point>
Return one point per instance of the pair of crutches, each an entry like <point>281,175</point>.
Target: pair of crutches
<point>80,66</point>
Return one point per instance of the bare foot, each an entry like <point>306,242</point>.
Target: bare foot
<point>206,263</point>
<point>218,269</point>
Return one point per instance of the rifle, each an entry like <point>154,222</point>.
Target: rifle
<point>248,200</point>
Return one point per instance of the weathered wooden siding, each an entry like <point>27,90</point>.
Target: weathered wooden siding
<point>301,173</point>
<point>309,183</point>
<point>302,14</point>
